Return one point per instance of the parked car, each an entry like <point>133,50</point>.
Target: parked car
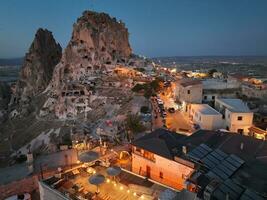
<point>171,110</point>
<point>25,196</point>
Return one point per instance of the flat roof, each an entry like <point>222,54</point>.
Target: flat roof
<point>235,105</point>
<point>74,183</point>
<point>205,109</point>
<point>190,82</point>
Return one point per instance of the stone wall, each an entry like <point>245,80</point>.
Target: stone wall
<point>26,185</point>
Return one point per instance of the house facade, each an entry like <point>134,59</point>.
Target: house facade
<point>205,117</point>
<point>236,115</point>
<point>154,157</point>
<point>189,91</point>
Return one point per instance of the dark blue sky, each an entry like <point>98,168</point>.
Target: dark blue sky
<point>157,27</point>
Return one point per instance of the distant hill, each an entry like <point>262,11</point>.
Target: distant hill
<point>11,61</point>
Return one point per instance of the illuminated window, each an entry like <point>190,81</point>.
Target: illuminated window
<point>149,156</point>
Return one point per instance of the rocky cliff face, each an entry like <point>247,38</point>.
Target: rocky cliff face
<point>97,41</point>
<point>38,66</point>
<point>5,95</point>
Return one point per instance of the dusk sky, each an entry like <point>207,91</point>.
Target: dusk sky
<point>157,27</point>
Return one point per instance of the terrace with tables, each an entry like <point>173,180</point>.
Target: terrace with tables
<point>75,184</point>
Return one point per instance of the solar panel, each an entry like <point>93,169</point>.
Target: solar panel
<point>216,156</point>
<point>250,195</point>
<point>203,150</point>
<point>206,147</point>
<point>228,187</point>
<point>211,175</point>
<point>208,163</point>
<point>228,165</point>
<point>237,159</point>
<point>234,186</point>
<point>220,173</point>
<point>225,170</point>
<point>233,162</point>
<point>199,152</point>
<point>222,165</point>
<point>221,153</point>
<point>213,158</point>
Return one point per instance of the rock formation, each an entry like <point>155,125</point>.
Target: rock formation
<point>5,94</point>
<point>97,41</point>
<point>37,69</point>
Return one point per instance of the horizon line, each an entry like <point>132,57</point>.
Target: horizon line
<point>171,56</point>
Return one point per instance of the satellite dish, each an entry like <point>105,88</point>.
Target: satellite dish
<point>88,156</point>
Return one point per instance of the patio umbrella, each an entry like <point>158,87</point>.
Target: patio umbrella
<point>113,171</point>
<point>88,156</point>
<point>96,179</point>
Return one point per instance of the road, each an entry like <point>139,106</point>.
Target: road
<point>177,121</point>
<point>157,120</point>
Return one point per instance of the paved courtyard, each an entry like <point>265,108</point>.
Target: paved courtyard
<point>125,186</point>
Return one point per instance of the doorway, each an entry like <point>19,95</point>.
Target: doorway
<point>148,171</point>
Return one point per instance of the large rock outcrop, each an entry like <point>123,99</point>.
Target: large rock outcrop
<point>97,41</point>
<point>37,69</point>
<point>5,95</point>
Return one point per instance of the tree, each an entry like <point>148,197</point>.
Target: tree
<point>149,89</point>
<point>211,72</point>
<point>144,109</point>
<point>133,124</point>
<point>138,87</point>
<point>140,69</point>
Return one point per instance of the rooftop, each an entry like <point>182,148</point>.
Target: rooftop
<point>186,83</point>
<point>253,153</point>
<point>235,105</point>
<point>205,109</point>
<point>161,142</point>
<point>74,184</point>
<point>261,125</point>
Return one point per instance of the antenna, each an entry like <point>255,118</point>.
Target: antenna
<point>241,146</point>
<point>184,150</point>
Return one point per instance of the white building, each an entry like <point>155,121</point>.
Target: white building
<point>236,114</point>
<point>219,88</point>
<point>205,117</point>
<point>189,91</point>
<point>254,91</point>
